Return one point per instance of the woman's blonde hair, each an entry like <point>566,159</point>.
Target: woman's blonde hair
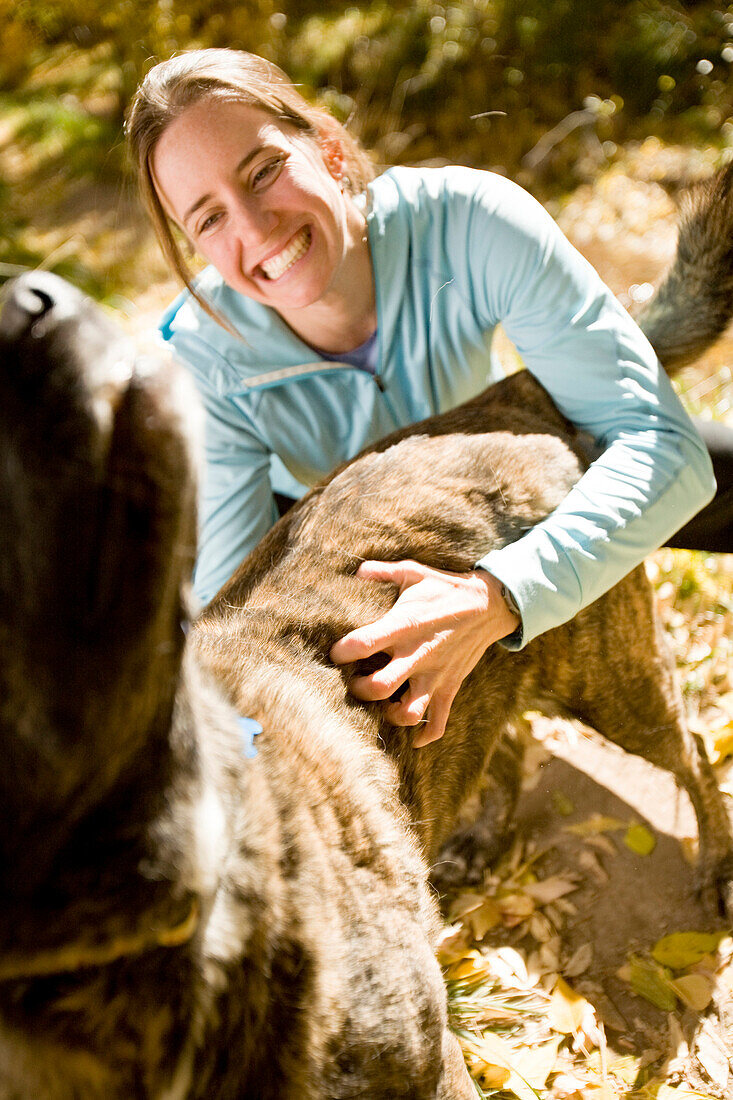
<point>233,75</point>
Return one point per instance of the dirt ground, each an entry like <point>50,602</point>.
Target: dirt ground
<point>626,902</point>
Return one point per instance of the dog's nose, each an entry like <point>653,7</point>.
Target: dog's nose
<point>32,297</point>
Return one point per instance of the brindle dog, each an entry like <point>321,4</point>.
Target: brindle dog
<point>180,919</point>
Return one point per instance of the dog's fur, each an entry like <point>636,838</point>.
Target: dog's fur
<point>180,920</point>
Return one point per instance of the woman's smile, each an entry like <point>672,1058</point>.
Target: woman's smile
<point>277,266</point>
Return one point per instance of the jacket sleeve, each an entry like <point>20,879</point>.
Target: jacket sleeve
<point>236,503</point>
<point>654,472</point>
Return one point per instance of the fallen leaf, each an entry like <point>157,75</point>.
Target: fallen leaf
<point>531,1066</point>
<point>471,965</point>
<point>712,1055</point>
<point>508,965</point>
<point>549,889</point>
<point>650,981</point>
<point>567,1009</point>
<point>682,949</point>
<point>694,990</point>
<point>452,945</point>
<point>640,840</point>
<point>562,803</point>
<point>596,823</point>
<point>488,1058</point>
<point>679,1092</point>
<point>566,1085</point>
<point>524,1070</point>
<point>482,1068</point>
<point>590,862</point>
<point>579,961</point>
<point>463,904</point>
<point>604,843</point>
<point>550,954</point>
<point>540,928</point>
<point>515,908</point>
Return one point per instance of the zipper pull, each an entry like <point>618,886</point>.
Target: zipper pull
<point>380,384</point>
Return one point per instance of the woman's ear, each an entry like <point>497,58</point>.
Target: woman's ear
<point>332,151</point>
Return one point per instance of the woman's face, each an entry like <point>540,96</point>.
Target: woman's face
<point>257,200</point>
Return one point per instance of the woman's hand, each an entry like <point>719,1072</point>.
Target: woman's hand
<point>436,632</point>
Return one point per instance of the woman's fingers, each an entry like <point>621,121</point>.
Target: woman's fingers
<point>403,573</point>
<point>384,682</point>
<point>389,630</point>
<point>436,720</point>
<point>384,634</point>
<point>410,709</point>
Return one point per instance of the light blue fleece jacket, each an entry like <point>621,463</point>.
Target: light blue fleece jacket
<point>455,252</point>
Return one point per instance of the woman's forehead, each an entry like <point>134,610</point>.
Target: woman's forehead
<point>209,137</point>
<point>226,120</point>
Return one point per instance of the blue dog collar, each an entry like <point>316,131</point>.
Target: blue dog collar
<point>248,730</point>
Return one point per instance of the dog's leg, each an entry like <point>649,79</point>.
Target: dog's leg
<point>485,826</point>
<point>637,704</point>
<point>455,1082</point>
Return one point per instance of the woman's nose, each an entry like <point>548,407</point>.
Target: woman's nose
<point>252,220</point>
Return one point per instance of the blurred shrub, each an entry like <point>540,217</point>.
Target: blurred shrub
<point>543,89</point>
<point>412,65</point>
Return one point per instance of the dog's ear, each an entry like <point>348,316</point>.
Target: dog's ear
<point>97,542</point>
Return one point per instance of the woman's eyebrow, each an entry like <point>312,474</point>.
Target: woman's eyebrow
<point>205,198</point>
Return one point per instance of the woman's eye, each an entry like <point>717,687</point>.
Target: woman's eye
<point>208,222</point>
<point>268,172</point>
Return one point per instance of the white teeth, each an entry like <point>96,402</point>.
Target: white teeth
<point>278,265</point>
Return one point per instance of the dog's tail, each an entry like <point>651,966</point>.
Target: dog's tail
<point>694,303</point>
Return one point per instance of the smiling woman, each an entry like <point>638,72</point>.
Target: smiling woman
<point>337,308</point>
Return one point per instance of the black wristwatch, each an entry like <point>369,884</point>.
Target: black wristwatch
<point>509,600</point>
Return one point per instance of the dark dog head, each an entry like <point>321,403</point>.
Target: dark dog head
<point>97,538</point>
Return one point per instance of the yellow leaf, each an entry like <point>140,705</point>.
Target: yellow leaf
<point>562,803</point>
<point>679,1092</point>
<point>480,920</point>
<point>515,908</point>
<point>596,823</point>
<point>567,1009</point>
<point>491,1077</point>
<point>639,840</point>
<point>682,949</point>
<point>719,743</point>
<point>452,945</point>
<point>531,1066</point>
<point>695,990</point>
<point>471,965</point>
<point>652,983</point>
<point>495,1064</point>
<point>488,1058</point>
<point>463,904</point>
<point>477,913</point>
